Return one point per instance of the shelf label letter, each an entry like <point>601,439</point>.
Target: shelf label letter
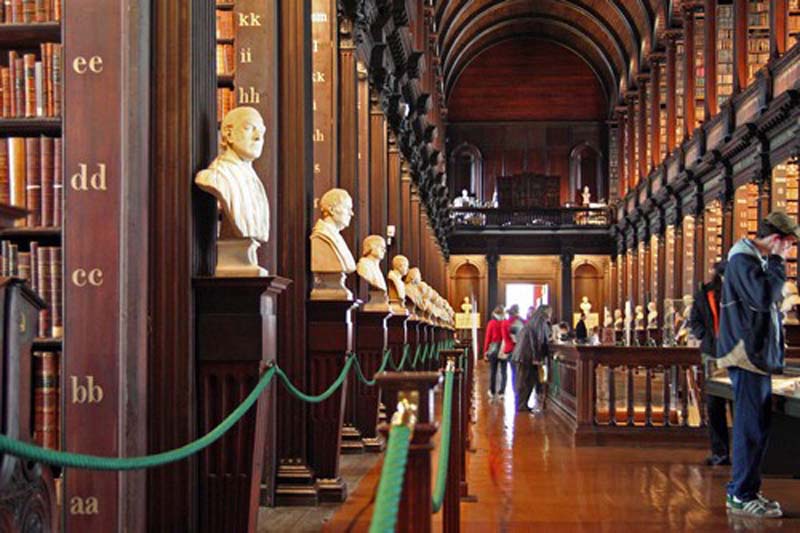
<point>249,96</point>
<point>94,65</point>
<point>89,393</point>
<point>82,278</point>
<point>249,19</point>
<point>81,181</point>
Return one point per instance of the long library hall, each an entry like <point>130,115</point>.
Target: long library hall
<point>399,265</point>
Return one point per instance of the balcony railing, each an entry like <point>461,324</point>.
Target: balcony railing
<point>538,218</point>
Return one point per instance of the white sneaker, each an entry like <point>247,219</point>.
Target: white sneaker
<point>755,507</point>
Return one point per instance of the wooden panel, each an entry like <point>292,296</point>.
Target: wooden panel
<point>323,79</point>
<point>527,79</point>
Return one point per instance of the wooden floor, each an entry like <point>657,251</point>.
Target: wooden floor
<point>528,477</point>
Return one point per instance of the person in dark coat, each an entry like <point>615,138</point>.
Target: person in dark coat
<point>581,333</point>
<point>529,354</point>
<point>751,346</point>
<point>704,324</point>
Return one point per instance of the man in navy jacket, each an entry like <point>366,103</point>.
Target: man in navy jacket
<point>751,347</point>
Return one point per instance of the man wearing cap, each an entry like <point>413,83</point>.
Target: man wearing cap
<point>751,347</point>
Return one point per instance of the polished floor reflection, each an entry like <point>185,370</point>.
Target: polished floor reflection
<point>528,476</point>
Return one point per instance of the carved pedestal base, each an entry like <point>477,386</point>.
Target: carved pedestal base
<point>371,339</point>
<point>238,258</point>
<point>329,286</point>
<point>295,486</point>
<point>352,440</point>
<point>330,340</point>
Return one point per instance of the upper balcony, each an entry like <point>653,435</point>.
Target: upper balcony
<point>532,231</point>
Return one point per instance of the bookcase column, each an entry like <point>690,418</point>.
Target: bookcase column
<point>491,262</point>
<point>378,201</point>
<point>642,127</point>
<point>348,159</point>
<point>689,72</point>
<point>672,88</point>
<point>394,195</point>
<point>407,237</point>
<point>778,11</point>
<point>655,117</point>
<point>699,249</point>
<point>710,57</point>
<point>295,480</point>
<point>566,285</point>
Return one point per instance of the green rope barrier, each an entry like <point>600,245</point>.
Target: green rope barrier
<point>444,448</point>
<point>390,486</point>
<point>416,356</point>
<point>387,355</point>
<point>300,395</point>
<point>91,462</point>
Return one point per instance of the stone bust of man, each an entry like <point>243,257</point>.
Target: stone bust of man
<point>397,288</point>
<point>369,268</point>
<point>331,259</point>
<point>231,179</point>
<point>413,292</point>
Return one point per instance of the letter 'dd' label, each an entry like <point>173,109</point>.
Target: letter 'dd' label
<point>82,181</point>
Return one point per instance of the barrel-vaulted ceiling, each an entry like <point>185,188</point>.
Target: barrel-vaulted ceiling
<point>614,37</point>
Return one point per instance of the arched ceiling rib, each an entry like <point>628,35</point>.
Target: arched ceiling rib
<point>547,28</point>
<point>613,36</point>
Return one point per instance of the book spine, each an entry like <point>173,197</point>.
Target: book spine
<point>57,70</point>
<point>58,177</point>
<point>47,167</point>
<point>8,92</point>
<point>57,10</point>
<point>43,281</point>
<point>16,177</point>
<point>29,71</point>
<point>16,11</point>
<point>35,268</point>
<point>41,11</point>
<point>4,255</point>
<point>28,11</point>
<point>4,171</point>
<point>12,81</point>
<point>46,51</point>
<point>56,294</point>
<point>24,265</point>
<point>33,181</point>
<point>19,86</point>
<point>45,390</point>
<point>13,255</point>
<point>39,88</point>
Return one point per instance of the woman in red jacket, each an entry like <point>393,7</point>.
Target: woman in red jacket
<point>493,344</point>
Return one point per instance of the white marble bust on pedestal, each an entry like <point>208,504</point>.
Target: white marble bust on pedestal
<point>241,196</point>
<point>413,292</point>
<point>331,259</point>
<point>369,269</point>
<point>652,316</point>
<point>586,306</point>
<point>397,287</point>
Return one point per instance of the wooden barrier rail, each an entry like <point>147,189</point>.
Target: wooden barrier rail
<point>629,395</point>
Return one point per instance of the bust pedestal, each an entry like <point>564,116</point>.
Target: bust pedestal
<point>330,339</point>
<point>238,258</point>
<point>414,338</point>
<point>235,340</point>
<point>371,341</point>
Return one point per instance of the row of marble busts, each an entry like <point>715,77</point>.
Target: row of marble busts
<point>332,261</point>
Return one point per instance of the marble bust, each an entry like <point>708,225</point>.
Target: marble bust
<point>652,316</point>
<point>586,306</point>
<point>397,287</point>
<point>607,320</point>
<point>639,317</point>
<point>619,322</point>
<point>413,292</point>
<point>241,196</point>
<point>586,196</point>
<point>369,269</point>
<point>331,259</point>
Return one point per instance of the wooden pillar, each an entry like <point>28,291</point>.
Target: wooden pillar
<point>672,88</point>
<point>414,514</point>
<point>655,116</point>
<point>644,169</point>
<point>661,294</point>
<point>679,259</point>
<point>633,171</point>
<point>331,326</point>
<point>648,270</point>
<point>621,167</point>
<point>710,57</point>
<point>452,496</point>
<point>778,15</point>
<point>295,480</point>
<point>689,73</point>
<point>371,341</point>
<point>363,109</point>
<point>566,286</point>
<point>699,250</point>
<point>416,230</point>
<point>408,237</point>
<point>491,262</point>
<point>348,156</point>
<point>739,45</point>
<point>395,193</point>
<point>378,199</point>
<point>728,231</point>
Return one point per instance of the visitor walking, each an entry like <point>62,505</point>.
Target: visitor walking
<point>511,328</point>
<point>704,324</point>
<point>530,355</point>
<point>493,344</point>
<point>751,346</point>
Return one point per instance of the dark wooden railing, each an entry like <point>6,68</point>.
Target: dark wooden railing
<point>613,395</point>
<point>483,217</point>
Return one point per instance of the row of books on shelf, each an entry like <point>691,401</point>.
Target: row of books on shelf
<point>226,100</point>
<point>225,27</point>
<point>30,86</point>
<point>46,405</point>
<point>31,177</point>
<point>226,60</point>
<point>41,267</point>
<point>29,11</point>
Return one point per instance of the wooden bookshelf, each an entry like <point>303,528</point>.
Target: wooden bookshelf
<point>680,91</point>
<point>757,37</point>
<point>712,238</point>
<point>648,126</point>
<point>225,42</point>
<point>30,126</point>
<point>724,52</point>
<point>662,126</point>
<point>745,214</point>
<point>29,35</point>
<point>786,197</point>
<point>700,70</point>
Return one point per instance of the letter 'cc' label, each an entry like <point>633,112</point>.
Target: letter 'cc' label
<point>82,277</point>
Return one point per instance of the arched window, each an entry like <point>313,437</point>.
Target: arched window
<point>586,170</point>
<point>466,171</point>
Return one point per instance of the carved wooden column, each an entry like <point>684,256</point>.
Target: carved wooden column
<point>397,335</point>
<point>641,125</point>
<point>492,260</point>
<point>621,167</point>
<point>739,45</point>
<point>378,192</point>
<point>679,259</point>
<point>655,107</point>
<point>699,249</point>
<point>330,340</point>
<point>348,156</point>
<point>408,236</point>
<point>414,514</point>
<point>727,202</point>
<point>371,341</point>
<point>394,195</point>
<point>415,234</point>
<point>235,340</point>
<point>633,170</point>
<point>295,480</point>
<point>566,285</point>
<point>672,89</point>
<point>662,271</point>
<point>778,22</point>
